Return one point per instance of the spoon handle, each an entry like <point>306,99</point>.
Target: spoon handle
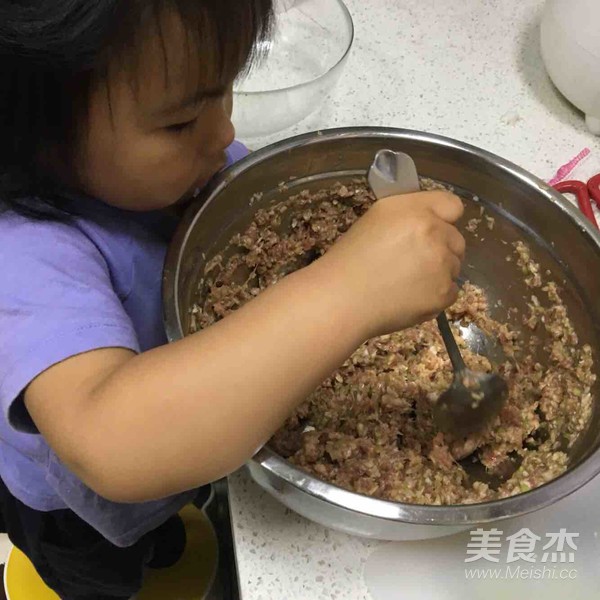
<point>395,173</point>
<point>451,346</point>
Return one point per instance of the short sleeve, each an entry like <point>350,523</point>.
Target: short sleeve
<point>236,152</point>
<point>56,301</point>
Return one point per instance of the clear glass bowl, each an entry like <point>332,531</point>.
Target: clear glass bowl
<point>303,62</point>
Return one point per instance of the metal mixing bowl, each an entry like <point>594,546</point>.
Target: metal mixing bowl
<point>524,207</point>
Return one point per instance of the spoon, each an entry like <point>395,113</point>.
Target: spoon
<point>474,398</point>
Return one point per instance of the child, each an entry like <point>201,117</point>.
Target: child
<point>112,113</point>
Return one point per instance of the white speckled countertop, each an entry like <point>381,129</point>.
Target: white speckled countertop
<point>470,70</point>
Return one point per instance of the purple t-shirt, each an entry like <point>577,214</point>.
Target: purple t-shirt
<point>66,288</point>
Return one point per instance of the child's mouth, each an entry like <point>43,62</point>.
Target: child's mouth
<point>203,181</point>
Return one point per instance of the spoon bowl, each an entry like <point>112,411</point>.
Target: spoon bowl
<point>471,402</point>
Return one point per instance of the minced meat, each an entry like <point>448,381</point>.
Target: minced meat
<point>369,428</point>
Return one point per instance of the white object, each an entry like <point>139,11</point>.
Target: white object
<point>570,40</point>
<point>436,569</point>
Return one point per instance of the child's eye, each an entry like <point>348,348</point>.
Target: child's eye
<point>179,127</point>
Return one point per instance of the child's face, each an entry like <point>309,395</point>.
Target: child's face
<point>155,141</point>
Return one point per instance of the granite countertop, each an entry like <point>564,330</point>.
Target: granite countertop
<point>470,70</point>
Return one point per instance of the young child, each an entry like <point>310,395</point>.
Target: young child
<point>112,113</point>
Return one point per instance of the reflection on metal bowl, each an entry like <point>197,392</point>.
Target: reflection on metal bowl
<point>524,208</point>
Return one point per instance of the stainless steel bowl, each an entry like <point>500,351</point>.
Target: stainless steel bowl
<point>524,208</point>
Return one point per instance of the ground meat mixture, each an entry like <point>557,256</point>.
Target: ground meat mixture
<point>369,427</point>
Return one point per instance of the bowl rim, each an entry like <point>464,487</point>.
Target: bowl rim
<point>278,467</point>
<point>341,60</point>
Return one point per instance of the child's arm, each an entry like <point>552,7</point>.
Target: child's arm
<point>135,428</point>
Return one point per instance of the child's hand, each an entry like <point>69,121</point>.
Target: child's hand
<point>400,261</point>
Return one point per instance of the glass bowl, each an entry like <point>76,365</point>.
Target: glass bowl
<point>302,64</point>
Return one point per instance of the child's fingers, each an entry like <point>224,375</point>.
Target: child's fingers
<point>455,265</point>
<point>447,206</point>
<point>456,241</point>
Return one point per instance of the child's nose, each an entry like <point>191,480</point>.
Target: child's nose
<point>223,133</point>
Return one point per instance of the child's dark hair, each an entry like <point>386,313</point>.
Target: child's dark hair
<point>51,51</point>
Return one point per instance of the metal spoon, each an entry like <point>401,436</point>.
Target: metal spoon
<point>481,343</point>
<point>474,398</point>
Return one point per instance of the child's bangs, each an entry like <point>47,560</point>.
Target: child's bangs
<point>221,38</point>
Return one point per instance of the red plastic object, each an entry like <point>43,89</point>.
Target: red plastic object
<point>585,194</point>
<point>594,189</point>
